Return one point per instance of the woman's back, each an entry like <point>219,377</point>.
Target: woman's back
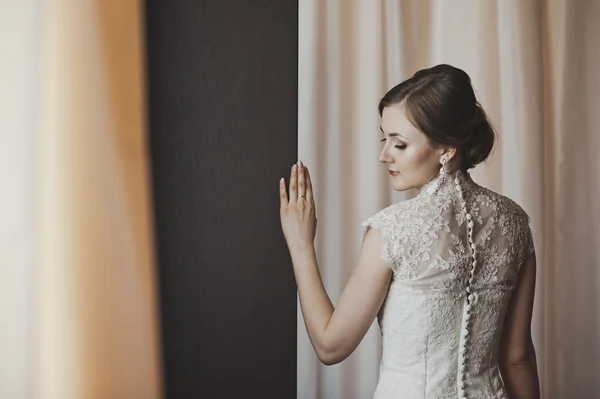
<point>440,271</point>
<point>436,345</point>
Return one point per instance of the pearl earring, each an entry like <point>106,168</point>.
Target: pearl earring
<point>442,179</point>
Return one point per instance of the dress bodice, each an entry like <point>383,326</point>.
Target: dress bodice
<point>428,351</point>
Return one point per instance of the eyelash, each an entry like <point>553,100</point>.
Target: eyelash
<point>400,147</point>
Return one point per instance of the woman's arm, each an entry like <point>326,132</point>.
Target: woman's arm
<point>335,333</point>
<point>517,354</point>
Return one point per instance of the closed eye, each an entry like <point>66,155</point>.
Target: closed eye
<point>400,147</point>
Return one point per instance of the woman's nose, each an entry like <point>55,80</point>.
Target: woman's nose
<point>384,157</point>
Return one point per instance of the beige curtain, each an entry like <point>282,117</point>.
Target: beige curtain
<point>77,260</point>
<point>18,226</point>
<point>534,66</point>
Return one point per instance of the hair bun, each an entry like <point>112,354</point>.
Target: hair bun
<point>480,139</point>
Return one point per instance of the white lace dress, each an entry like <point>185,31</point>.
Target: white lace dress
<point>425,242</point>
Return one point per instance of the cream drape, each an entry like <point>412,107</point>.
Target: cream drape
<point>79,253</point>
<point>19,55</point>
<point>534,66</point>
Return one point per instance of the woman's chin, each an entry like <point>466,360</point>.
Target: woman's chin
<point>399,185</point>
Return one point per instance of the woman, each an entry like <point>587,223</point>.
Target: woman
<point>449,274</point>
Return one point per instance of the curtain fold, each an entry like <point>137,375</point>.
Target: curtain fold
<point>19,111</point>
<point>90,317</point>
<point>97,334</point>
<point>533,65</point>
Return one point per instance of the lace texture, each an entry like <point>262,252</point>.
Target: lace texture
<point>425,243</point>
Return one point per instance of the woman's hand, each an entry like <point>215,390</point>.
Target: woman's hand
<point>298,215</point>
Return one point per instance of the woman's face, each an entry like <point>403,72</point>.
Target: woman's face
<point>407,151</point>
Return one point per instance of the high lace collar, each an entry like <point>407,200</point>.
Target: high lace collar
<point>464,178</point>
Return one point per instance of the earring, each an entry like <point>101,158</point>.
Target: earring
<point>442,179</point>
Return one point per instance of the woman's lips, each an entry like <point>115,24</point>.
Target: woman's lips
<point>393,173</point>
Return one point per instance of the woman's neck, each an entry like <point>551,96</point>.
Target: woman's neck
<point>429,187</point>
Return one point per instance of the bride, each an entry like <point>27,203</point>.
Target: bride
<point>449,274</point>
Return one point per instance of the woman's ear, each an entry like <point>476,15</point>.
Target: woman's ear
<point>448,153</point>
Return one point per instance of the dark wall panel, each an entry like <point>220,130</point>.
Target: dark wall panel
<point>222,114</point>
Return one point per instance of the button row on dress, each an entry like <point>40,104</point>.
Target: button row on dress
<point>470,297</point>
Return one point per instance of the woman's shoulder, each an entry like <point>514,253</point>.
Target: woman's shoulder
<point>398,213</point>
<point>501,202</point>
<point>424,206</point>
<point>382,217</point>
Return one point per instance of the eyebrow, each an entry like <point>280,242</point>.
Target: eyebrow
<point>392,134</point>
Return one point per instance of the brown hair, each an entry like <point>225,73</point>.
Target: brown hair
<point>441,103</point>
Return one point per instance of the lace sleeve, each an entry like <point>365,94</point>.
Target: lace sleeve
<point>380,223</point>
<point>527,245</point>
